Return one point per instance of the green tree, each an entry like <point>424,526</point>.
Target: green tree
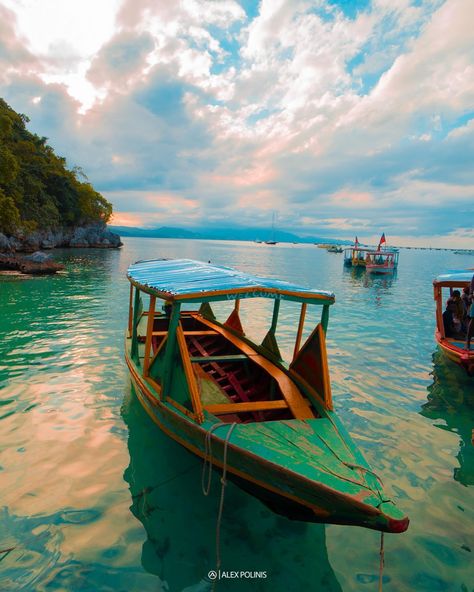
<point>38,190</point>
<point>9,214</point>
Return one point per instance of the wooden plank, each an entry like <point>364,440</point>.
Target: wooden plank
<point>300,330</point>
<point>298,405</point>
<point>190,376</point>
<point>149,331</point>
<point>229,358</point>
<point>181,408</point>
<point>224,408</point>
<point>326,380</point>
<point>154,384</point>
<point>199,332</point>
<point>163,333</point>
<point>130,312</point>
<point>439,311</point>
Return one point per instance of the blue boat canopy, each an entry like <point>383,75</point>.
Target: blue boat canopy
<point>455,276</point>
<point>193,281</point>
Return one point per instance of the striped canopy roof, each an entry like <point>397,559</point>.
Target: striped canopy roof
<point>193,281</point>
<point>455,277</point>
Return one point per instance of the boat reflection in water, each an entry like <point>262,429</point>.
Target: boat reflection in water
<point>379,285</point>
<point>180,522</point>
<point>451,399</point>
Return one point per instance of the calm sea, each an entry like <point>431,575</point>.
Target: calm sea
<point>94,498</point>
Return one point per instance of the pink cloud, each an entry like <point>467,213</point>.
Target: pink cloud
<point>352,199</point>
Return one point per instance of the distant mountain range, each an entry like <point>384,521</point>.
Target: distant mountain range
<point>242,234</point>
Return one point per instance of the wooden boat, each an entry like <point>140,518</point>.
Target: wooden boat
<point>270,423</point>
<point>454,347</point>
<point>355,256</point>
<point>381,261</point>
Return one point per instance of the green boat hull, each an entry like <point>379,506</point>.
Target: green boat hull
<point>295,490</point>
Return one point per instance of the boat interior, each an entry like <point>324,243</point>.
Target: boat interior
<point>235,382</point>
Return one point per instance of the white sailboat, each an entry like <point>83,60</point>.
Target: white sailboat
<point>272,241</point>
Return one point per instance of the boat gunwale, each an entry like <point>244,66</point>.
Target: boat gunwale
<point>448,345</point>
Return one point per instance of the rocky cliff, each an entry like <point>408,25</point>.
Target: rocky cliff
<point>94,235</point>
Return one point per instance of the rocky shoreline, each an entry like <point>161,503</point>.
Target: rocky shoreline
<point>91,236</point>
<point>37,264</point>
<point>94,235</point>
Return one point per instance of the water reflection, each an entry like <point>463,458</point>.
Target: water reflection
<point>451,399</point>
<point>165,487</point>
<point>379,285</point>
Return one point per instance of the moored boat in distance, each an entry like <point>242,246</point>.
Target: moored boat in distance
<point>382,261</point>
<point>452,343</point>
<point>334,249</point>
<point>356,256</point>
<point>223,396</point>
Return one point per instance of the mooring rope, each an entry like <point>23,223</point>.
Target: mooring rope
<point>206,487</point>
<point>221,501</point>
<point>382,561</point>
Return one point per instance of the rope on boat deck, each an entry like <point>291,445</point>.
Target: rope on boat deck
<point>207,487</point>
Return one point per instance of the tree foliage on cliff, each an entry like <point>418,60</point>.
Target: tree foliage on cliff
<point>37,191</point>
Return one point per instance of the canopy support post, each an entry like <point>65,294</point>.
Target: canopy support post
<point>170,348</point>
<point>136,306</point>
<point>300,330</point>
<point>149,330</point>
<point>130,312</point>
<point>325,318</point>
<point>439,310</point>
<point>276,310</point>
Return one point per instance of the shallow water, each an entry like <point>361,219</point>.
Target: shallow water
<point>94,498</point>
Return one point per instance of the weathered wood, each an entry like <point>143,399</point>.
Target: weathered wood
<point>190,376</point>
<point>149,332</point>
<point>163,333</point>
<point>136,320</point>
<point>299,406</point>
<point>225,408</point>
<point>229,358</point>
<point>299,334</point>
<point>130,312</point>
<point>170,348</point>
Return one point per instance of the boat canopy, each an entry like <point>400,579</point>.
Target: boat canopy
<point>454,277</point>
<point>194,281</point>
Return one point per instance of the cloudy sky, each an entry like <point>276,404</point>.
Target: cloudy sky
<point>343,117</point>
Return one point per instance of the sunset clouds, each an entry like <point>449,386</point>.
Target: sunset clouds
<point>345,117</point>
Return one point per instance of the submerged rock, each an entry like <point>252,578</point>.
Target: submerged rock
<point>36,264</point>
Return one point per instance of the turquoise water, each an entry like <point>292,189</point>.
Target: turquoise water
<point>94,498</point>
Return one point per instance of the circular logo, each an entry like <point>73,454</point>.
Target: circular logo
<point>212,575</point>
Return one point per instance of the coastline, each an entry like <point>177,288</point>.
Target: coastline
<point>15,250</point>
<point>92,235</point>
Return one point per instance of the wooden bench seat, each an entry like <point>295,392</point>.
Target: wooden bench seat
<point>229,358</point>
<point>250,406</point>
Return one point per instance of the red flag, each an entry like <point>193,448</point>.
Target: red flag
<point>382,240</point>
<point>356,243</point>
